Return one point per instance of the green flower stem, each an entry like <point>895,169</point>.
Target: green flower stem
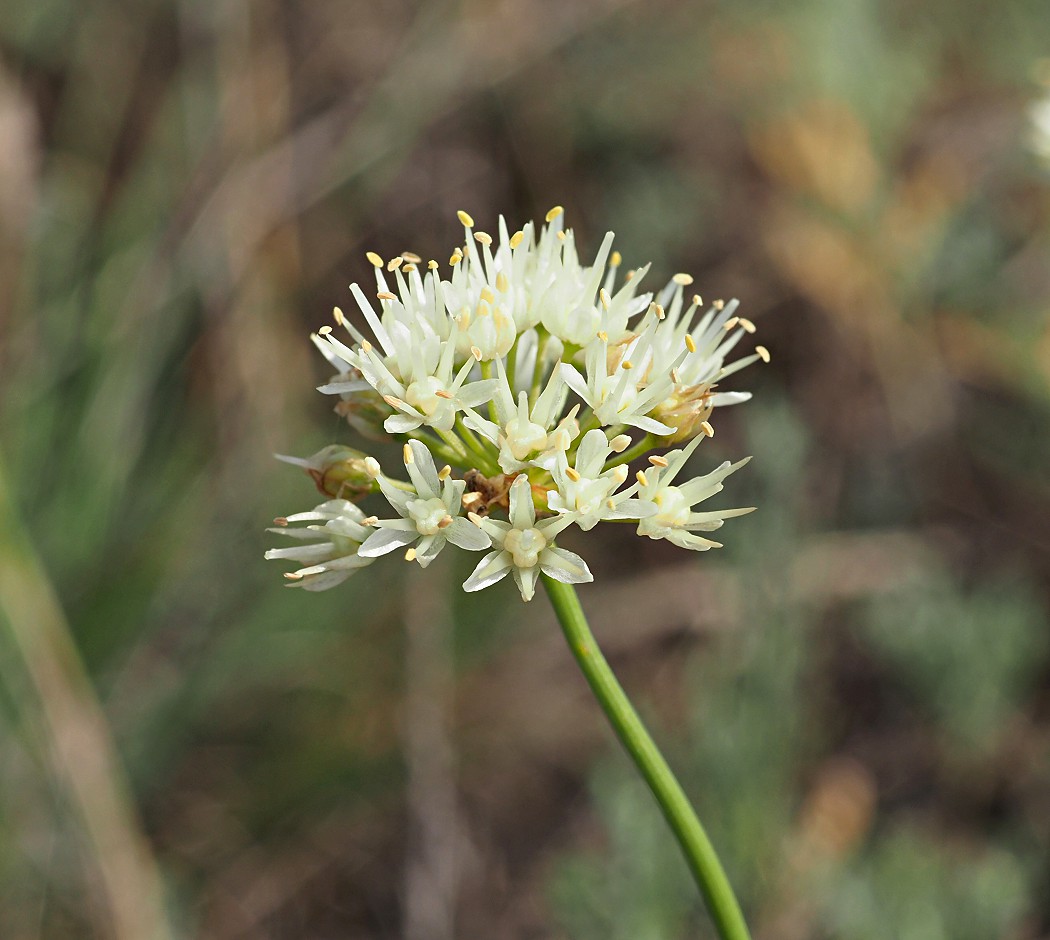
<point>699,853</point>
<point>647,444</point>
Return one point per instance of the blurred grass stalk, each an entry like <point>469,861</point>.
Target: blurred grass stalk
<point>80,747</point>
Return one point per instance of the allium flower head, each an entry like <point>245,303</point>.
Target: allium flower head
<point>536,377</point>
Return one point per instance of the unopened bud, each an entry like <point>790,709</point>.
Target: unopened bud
<point>341,473</point>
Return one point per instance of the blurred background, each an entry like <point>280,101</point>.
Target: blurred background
<point>856,689</point>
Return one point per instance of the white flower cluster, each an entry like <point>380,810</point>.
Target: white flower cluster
<point>536,380</point>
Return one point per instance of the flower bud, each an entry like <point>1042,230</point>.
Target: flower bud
<point>365,411</point>
<point>339,472</point>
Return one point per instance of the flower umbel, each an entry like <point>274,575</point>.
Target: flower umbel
<point>536,378</point>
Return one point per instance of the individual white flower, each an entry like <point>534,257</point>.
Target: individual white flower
<point>333,558</point>
<point>674,518</point>
<point>589,491</point>
<point>527,436</point>
<point>429,516</point>
<point>621,387</point>
<point>525,547</point>
<point>417,378</point>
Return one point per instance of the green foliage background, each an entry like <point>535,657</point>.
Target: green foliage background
<point>856,689</point>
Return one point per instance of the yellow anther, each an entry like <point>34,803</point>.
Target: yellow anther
<point>731,322</point>
<point>432,264</point>
<point>763,353</point>
<point>386,295</point>
<point>554,213</point>
<point>372,467</point>
<point>620,443</point>
<point>748,326</point>
<point>561,235</point>
<point>627,364</point>
<point>658,461</point>
<point>445,522</point>
<point>394,263</point>
<point>603,336</point>
<point>465,219</point>
<point>370,521</point>
<point>325,330</point>
<point>516,239</point>
<point>707,428</point>
<point>487,295</point>
<point>406,452</point>
<point>374,258</point>
<point>445,472</point>
<point>603,295</point>
<point>674,376</point>
<point>660,312</point>
<point>448,396</point>
<point>615,259</point>
<point>642,478</point>
<point>455,259</point>
<point>293,576</point>
<point>718,304</point>
<point>483,309</point>
<point>502,283</point>
<point>483,237</point>
<point>410,554</point>
<point>684,279</point>
<point>411,257</point>
<point>476,353</point>
<point>337,315</point>
<point>572,474</point>
<point>610,503</point>
<point>698,300</point>
<point>690,343</point>
<point>366,346</point>
<point>473,516</point>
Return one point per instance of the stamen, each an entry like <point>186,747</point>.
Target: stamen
<point>610,503</point>
<point>337,315</point>
<point>707,428</point>
<point>674,376</point>
<point>603,336</point>
<point>465,218</point>
<point>747,324</point>
<point>374,258</point>
<point>370,521</point>
<point>698,300</point>
<point>411,257</point>
<point>473,516</point>
<point>731,322</point>
<point>642,478</point>
<point>684,279</point>
<point>718,304</point>
<point>620,443</point>
<point>561,235</point>
<point>660,312</point>
<point>483,237</point>
<point>573,474</point>
<point>445,472</point>
<point>366,347</point>
<point>432,265</point>
<point>619,474</point>
<point>502,283</point>
<point>627,364</point>
<point>324,330</point>
<point>372,467</point>
<point>456,258</point>
<point>445,522</point>
<point>628,275</point>
<point>604,297</point>
<point>386,295</point>
<point>516,239</point>
<point>476,353</point>
<point>408,266</point>
<point>763,353</point>
<point>410,555</point>
<point>554,213</point>
<point>448,396</point>
<point>615,259</point>
<point>406,452</point>
<point>293,576</point>
<point>281,521</point>
<point>658,461</point>
<point>394,263</point>
<point>690,343</point>
<point>487,295</point>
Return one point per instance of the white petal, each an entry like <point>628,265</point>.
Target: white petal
<point>492,568</point>
<point>564,566</point>
<point>401,424</point>
<point>522,512</point>
<point>464,534</point>
<point>423,472</point>
<point>525,578</point>
<point>383,541</point>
